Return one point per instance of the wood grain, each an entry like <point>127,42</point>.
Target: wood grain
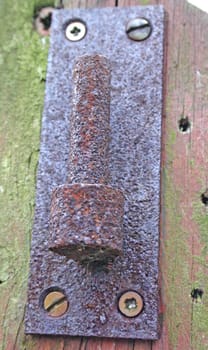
<point>88,3</point>
<point>184,223</point>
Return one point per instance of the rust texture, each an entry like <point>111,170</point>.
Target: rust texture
<point>86,222</point>
<point>90,121</point>
<point>133,163</point>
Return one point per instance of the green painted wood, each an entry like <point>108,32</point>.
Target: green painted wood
<point>23,58</point>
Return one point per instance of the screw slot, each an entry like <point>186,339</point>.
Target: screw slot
<point>75,30</point>
<point>130,304</point>
<point>138,29</point>
<point>55,303</point>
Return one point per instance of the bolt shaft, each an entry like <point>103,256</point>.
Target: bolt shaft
<point>90,119</point>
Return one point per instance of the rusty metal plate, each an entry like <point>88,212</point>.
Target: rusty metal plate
<point>89,300</point>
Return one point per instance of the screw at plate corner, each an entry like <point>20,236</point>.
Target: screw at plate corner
<point>75,30</point>
<point>138,29</point>
<point>130,304</point>
<point>55,303</point>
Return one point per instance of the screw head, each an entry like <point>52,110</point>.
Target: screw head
<point>55,303</point>
<point>138,29</point>
<point>130,304</point>
<point>75,30</point>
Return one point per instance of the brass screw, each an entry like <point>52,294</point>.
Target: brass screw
<point>130,304</point>
<point>138,29</point>
<point>75,30</point>
<point>55,304</point>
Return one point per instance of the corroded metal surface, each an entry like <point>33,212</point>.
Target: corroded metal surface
<point>90,121</point>
<point>134,167</point>
<point>86,221</point>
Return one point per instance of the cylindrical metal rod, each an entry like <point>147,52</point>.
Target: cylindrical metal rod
<point>90,118</point>
<point>86,222</point>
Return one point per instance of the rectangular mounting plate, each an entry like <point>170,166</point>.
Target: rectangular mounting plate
<point>135,158</point>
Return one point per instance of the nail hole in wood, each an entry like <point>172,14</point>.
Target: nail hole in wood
<point>197,294</point>
<point>184,124</point>
<point>204,197</point>
<point>42,19</point>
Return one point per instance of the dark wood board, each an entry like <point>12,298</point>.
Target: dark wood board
<point>184,223</point>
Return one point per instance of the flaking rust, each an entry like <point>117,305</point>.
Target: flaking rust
<point>113,190</point>
<point>86,221</point>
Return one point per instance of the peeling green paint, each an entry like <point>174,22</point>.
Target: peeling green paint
<point>143,2</point>
<point>176,250</point>
<point>200,310</point>
<point>177,273</point>
<point>201,217</point>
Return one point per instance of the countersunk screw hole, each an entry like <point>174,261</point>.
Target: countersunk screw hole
<point>184,124</point>
<point>204,197</point>
<point>196,294</point>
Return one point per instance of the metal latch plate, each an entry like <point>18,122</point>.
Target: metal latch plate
<point>135,159</point>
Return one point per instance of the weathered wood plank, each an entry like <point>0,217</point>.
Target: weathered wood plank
<point>185,172</point>
<point>142,345</point>
<point>22,65</point>
<point>185,222</point>
<point>88,3</point>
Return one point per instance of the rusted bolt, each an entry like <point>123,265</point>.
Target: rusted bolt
<point>138,29</point>
<point>55,304</point>
<point>42,21</point>
<point>130,304</point>
<point>75,30</point>
<point>86,221</point>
